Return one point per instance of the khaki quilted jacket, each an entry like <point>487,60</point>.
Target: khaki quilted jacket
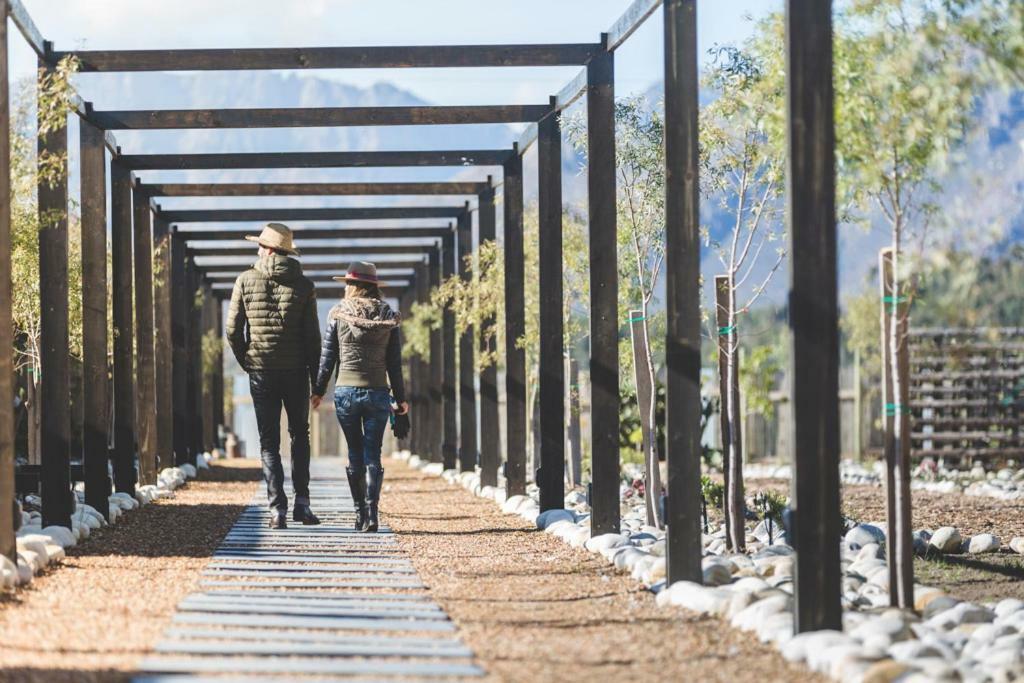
<point>272,321</point>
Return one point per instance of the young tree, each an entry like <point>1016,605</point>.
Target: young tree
<point>743,167</point>
<point>640,199</point>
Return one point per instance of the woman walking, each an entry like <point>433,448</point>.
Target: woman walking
<point>362,339</point>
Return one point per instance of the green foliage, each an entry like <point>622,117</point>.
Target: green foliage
<point>758,372</point>
<point>211,346</point>
<point>52,94</point>
<point>477,301</point>
<point>712,491</point>
<point>424,317</point>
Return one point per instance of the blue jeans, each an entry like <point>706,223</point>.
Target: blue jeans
<point>363,414</point>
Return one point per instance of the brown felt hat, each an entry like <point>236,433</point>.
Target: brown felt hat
<point>360,271</point>
<point>275,236</point>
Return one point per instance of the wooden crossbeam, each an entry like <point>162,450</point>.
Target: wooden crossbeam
<point>162,119</point>
<point>314,214</point>
<point>397,57</point>
<point>408,249</point>
<point>158,162</point>
<point>307,189</point>
<point>21,18</point>
<point>320,233</point>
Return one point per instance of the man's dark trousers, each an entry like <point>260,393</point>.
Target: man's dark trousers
<point>270,390</point>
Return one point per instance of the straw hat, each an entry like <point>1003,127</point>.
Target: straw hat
<point>275,236</point>
<point>360,271</point>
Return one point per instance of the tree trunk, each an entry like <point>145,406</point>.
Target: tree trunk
<point>643,370</point>
<point>35,417</point>
<point>734,494</point>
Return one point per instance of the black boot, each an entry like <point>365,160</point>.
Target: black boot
<point>278,519</point>
<point>303,513</point>
<point>376,477</point>
<point>357,485</point>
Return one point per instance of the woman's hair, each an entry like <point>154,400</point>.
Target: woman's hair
<point>361,290</point>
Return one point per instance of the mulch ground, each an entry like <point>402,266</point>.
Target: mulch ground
<point>92,618</point>
<point>535,609</point>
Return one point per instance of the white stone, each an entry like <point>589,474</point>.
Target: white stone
<point>946,540</point>
<point>749,618</point>
<point>962,613</point>
<point>605,541</point>
<point>549,517</point>
<point>512,504</point>
<point>716,574</point>
<point>983,543</point>
<point>695,597</point>
<point>1008,606</point>
<point>25,572</point>
<point>189,469</point>
<point>61,536</point>
<point>864,534</point>
<point>1017,544</point>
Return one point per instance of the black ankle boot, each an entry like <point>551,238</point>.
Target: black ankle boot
<point>376,478</point>
<point>278,519</point>
<point>357,485</point>
<point>303,513</point>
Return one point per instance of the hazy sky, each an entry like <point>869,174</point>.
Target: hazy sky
<point>149,24</point>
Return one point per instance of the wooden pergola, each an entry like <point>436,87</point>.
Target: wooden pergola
<point>156,259</point>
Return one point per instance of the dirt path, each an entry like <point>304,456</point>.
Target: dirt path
<point>536,609</point>
<point>92,618</point>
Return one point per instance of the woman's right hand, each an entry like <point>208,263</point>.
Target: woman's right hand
<point>314,401</point>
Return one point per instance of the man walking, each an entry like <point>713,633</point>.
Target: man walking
<point>274,332</point>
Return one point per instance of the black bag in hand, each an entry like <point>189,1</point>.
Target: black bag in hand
<point>400,425</point>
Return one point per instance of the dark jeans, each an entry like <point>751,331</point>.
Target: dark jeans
<point>363,414</point>
<point>270,390</point>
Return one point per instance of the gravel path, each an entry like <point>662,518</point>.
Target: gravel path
<point>94,617</point>
<point>535,609</point>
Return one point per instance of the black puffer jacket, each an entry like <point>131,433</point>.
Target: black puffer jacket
<point>272,320</point>
<point>363,340</point>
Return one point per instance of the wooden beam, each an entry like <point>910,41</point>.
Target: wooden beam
<point>515,328</point>
<point>604,296</point>
<point>307,189</point>
<point>163,341</point>
<point>340,232</point>
<point>164,119</point>
<point>631,20</point>
<point>468,427</point>
<point>95,399</point>
<point>315,214</point>
<point>156,162</point>
<point>145,360</point>
<point>53,338</point>
<point>490,427</point>
<point>682,292</point>
<point>396,57</point>
<point>315,251</point>
<point>23,21</point>
<point>449,446</point>
<point>568,95</point>
<point>180,303</point>
<point>813,315</point>
<point>336,266</point>
<point>550,475</point>
<point>8,547</point>
<point>124,368</point>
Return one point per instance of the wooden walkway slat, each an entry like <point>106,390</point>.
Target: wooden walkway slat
<point>280,605</point>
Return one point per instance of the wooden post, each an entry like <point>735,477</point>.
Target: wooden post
<point>813,315</point>
<point>124,367</point>
<point>435,424</point>
<point>217,307</point>
<point>604,294</point>
<point>515,326</point>
<point>195,351</point>
<point>896,444</point>
<point>163,342</point>
<point>575,462</point>
<point>7,542</point>
<point>55,485</point>
<point>418,371</point>
<point>467,361</point>
<point>412,385</point>
<point>451,434</point>
<point>145,407</point>
<point>95,401</point>
<point>490,430</point>
<point>179,339</point>
<point>209,375</point>
<point>551,472</point>
<point>682,292</point>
